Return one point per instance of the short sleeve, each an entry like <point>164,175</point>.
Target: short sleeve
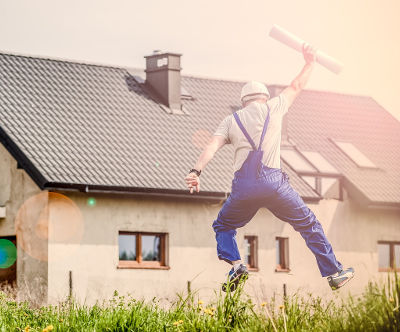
<point>282,105</point>
<point>223,128</point>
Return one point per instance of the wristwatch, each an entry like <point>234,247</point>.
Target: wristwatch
<point>195,171</point>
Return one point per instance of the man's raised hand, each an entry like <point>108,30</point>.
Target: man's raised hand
<point>309,53</point>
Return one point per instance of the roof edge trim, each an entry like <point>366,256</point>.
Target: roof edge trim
<point>22,159</point>
<point>156,192</point>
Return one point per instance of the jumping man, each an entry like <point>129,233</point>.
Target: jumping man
<point>258,179</point>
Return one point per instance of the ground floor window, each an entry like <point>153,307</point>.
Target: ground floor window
<point>282,254</point>
<point>142,250</point>
<point>389,256</point>
<point>250,257</point>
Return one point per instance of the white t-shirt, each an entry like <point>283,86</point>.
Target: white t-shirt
<point>253,117</point>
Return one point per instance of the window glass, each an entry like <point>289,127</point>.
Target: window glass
<point>397,256</point>
<point>295,160</point>
<point>384,255</point>
<point>151,248</point>
<point>354,154</point>
<point>278,252</point>
<point>311,180</point>
<point>127,247</point>
<point>250,246</point>
<point>327,184</point>
<point>247,248</point>
<point>282,253</point>
<point>319,162</point>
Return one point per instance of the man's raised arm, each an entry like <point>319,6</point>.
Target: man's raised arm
<point>299,83</point>
<point>192,179</point>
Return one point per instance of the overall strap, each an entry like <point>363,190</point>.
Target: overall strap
<point>244,131</point>
<point>264,130</point>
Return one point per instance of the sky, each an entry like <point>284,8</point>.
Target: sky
<point>220,38</point>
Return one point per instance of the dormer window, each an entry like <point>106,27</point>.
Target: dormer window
<point>360,159</point>
<point>315,170</point>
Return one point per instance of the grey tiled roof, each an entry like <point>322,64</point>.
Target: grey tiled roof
<point>318,117</point>
<point>74,124</point>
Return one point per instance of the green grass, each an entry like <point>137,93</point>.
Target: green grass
<point>377,309</point>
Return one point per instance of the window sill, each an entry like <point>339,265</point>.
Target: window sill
<point>282,270</point>
<point>253,269</point>
<point>388,270</point>
<point>143,267</point>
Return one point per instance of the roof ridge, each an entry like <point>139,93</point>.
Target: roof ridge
<point>56,59</point>
<point>337,93</point>
<point>206,77</point>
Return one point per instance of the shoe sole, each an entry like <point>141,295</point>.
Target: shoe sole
<point>234,282</point>
<point>344,282</point>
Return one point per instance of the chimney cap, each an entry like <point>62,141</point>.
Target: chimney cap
<point>160,53</point>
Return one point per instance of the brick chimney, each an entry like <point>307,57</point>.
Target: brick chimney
<point>163,76</point>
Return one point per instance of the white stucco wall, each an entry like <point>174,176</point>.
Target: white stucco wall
<point>352,231</point>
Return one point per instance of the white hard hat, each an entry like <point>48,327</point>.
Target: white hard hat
<point>254,88</point>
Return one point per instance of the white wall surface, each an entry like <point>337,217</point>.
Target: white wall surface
<point>352,231</point>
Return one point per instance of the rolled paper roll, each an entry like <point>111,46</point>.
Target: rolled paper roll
<point>296,43</point>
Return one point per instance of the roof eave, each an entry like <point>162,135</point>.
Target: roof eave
<point>384,205</point>
<point>363,200</point>
<point>22,160</point>
<point>153,192</point>
<point>137,191</point>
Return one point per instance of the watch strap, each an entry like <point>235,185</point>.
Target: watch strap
<point>195,171</point>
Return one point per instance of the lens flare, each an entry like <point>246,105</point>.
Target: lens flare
<point>91,201</point>
<point>8,253</point>
<point>49,226</point>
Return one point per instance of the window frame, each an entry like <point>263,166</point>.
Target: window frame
<point>253,241</point>
<point>162,264</point>
<point>316,174</point>
<point>391,257</point>
<point>283,253</point>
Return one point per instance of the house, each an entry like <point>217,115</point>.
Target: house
<point>92,160</point>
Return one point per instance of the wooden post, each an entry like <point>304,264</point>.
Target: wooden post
<point>70,284</point>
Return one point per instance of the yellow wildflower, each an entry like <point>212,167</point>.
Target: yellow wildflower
<point>27,328</point>
<point>48,328</point>
<point>263,304</point>
<point>281,306</point>
<point>179,322</point>
<point>200,302</point>
<point>209,311</point>
<point>391,299</point>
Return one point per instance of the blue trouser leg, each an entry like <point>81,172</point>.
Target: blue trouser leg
<point>235,213</point>
<point>288,206</point>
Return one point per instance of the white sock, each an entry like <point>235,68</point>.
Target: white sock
<point>335,274</point>
<point>236,266</point>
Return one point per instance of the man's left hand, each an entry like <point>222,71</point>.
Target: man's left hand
<point>193,181</point>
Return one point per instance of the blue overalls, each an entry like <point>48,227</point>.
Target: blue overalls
<point>256,185</point>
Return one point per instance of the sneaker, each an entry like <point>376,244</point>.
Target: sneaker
<point>235,277</point>
<point>341,278</point>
